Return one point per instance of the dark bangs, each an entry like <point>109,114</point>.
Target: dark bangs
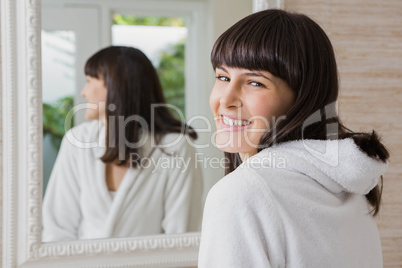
<point>265,43</point>
<point>93,66</point>
<point>290,46</point>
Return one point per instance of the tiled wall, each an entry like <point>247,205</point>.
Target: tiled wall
<point>367,37</point>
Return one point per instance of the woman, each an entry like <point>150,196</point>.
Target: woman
<point>301,189</point>
<point>129,171</point>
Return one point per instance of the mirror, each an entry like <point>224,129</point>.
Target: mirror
<point>99,199</point>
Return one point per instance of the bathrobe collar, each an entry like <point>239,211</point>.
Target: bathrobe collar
<point>146,142</point>
<point>338,165</point>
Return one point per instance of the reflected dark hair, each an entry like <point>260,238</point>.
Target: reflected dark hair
<point>132,86</point>
<point>294,48</point>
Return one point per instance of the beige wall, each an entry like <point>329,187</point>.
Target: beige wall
<point>367,37</point>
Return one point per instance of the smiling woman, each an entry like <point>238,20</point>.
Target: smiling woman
<point>298,183</point>
<point>245,104</point>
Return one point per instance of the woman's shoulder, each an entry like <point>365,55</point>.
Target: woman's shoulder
<point>243,197</point>
<point>86,126</point>
<point>257,180</point>
<point>239,185</point>
<point>177,144</point>
<point>85,135</point>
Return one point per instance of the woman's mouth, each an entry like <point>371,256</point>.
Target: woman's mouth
<point>235,124</point>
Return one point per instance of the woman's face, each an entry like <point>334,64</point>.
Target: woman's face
<point>95,92</point>
<point>245,104</point>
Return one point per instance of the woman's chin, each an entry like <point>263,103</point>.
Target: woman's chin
<point>227,147</point>
<point>90,117</point>
<point>231,147</point>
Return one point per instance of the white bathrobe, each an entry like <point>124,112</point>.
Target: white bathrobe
<point>297,204</point>
<point>163,196</point>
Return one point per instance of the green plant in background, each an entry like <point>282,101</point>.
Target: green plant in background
<point>171,74</point>
<point>53,119</point>
<point>172,62</point>
<point>148,21</point>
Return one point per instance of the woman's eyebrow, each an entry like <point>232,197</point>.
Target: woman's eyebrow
<point>256,74</point>
<point>222,68</point>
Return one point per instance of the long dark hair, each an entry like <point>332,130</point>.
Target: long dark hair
<point>294,48</point>
<point>132,87</point>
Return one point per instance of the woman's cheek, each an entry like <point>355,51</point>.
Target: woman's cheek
<point>214,101</point>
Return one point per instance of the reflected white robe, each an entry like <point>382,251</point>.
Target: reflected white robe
<point>160,197</point>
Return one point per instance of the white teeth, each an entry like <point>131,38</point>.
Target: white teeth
<point>231,122</point>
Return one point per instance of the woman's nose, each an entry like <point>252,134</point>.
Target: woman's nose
<point>231,97</point>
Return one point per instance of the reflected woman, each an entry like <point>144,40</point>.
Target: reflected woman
<point>130,170</point>
<point>301,189</point>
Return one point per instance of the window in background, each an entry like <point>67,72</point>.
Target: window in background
<point>59,86</point>
<point>163,41</point>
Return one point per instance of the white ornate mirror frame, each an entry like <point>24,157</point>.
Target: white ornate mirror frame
<point>22,171</point>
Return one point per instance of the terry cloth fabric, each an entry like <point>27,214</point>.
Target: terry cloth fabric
<point>163,196</point>
<point>297,204</point>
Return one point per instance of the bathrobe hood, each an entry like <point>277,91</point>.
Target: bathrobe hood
<point>338,165</point>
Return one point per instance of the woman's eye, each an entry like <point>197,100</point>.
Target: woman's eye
<point>223,78</point>
<point>257,84</point>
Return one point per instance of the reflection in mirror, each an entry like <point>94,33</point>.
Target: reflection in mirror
<point>163,40</point>
<point>127,169</point>
<point>58,63</point>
